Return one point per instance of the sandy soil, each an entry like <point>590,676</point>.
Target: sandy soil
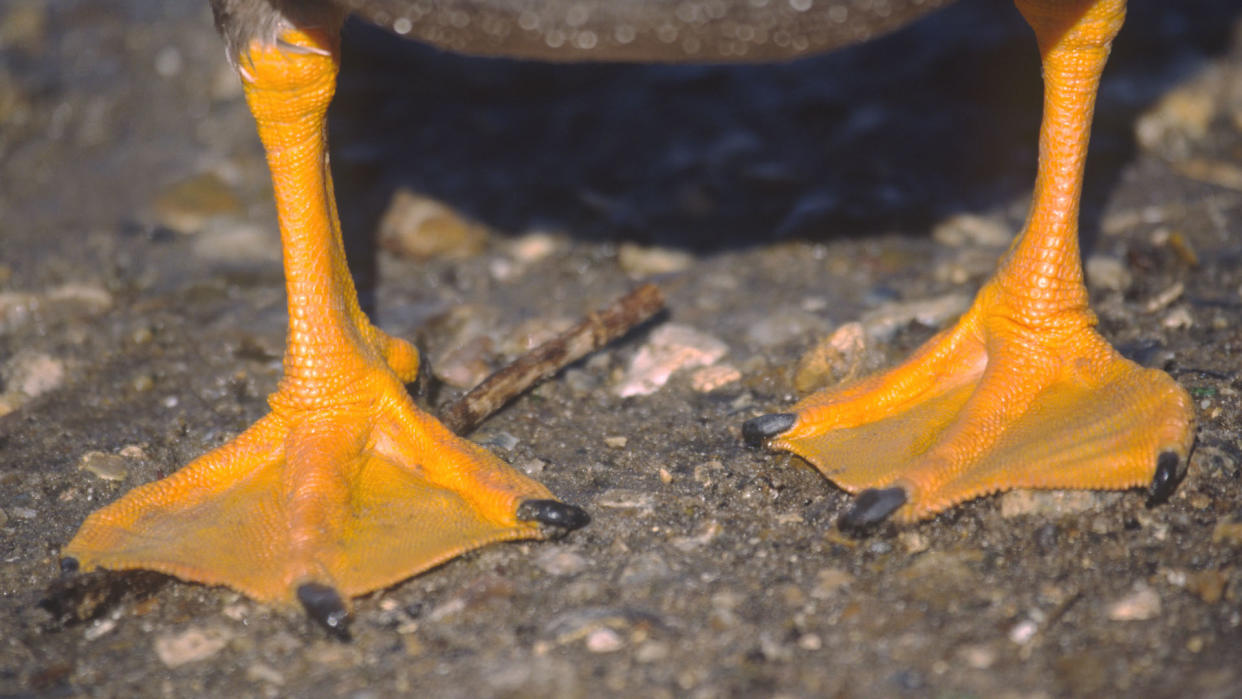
<point>142,317</point>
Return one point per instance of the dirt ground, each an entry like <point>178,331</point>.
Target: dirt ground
<point>142,318</point>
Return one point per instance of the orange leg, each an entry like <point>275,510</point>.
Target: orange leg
<point>1022,392</point>
<point>345,487</point>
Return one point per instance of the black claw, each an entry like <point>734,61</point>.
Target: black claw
<point>758,430</point>
<point>324,604</point>
<point>69,565</point>
<point>1165,481</point>
<point>873,506</point>
<point>553,513</point>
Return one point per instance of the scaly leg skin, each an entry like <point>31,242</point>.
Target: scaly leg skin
<point>1022,392</point>
<point>345,487</point>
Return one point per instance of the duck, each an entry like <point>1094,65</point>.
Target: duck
<point>346,487</point>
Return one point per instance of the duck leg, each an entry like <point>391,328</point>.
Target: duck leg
<point>344,487</point>
<point>1022,392</point>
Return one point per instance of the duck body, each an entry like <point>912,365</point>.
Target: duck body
<point>672,31</point>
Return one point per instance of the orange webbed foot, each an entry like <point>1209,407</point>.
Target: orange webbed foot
<point>989,406</point>
<point>350,497</point>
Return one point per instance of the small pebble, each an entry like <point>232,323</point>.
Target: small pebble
<point>236,611</point>
<point>533,247</point>
<point>191,645</point>
<point>626,499</point>
<point>710,378</point>
<point>671,347</point>
<point>1047,503</point>
<point>604,640</point>
<point>773,648</point>
<point>639,262</point>
<point>422,228</point>
<point>1178,319</point>
<point>1228,531</point>
<point>93,298</point>
<point>913,542</point>
<point>532,467</point>
<point>1141,604</point>
<point>1023,631</point>
<point>979,657</point>
<point>1104,272</point>
<point>108,467</point>
<point>466,365</point>
<point>835,358</point>
<point>449,608</point>
<point>727,599</point>
<point>1209,585</point>
<point>710,531</point>
<point>810,641</point>
<point>1164,299</point>
<point>261,672</point>
<point>99,629</point>
<point>33,374</point>
<point>616,442</point>
<point>651,652</point>
<point>503,269</point>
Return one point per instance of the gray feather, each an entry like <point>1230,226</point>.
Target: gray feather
<point>600,30</point>
<point>642,30</point>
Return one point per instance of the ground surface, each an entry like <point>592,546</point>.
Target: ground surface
<point>142,317</point>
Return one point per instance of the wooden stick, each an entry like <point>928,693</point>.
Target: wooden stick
<point>590,334</point>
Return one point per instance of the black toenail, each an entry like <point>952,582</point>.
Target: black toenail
<point>553,513</point>
<point>324,604</point>
<point>873,506</point>
<point>758,430</point>
<point>1166,479</point>
<point>69,565</point>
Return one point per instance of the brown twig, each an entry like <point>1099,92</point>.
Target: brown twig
<point>591,333</point>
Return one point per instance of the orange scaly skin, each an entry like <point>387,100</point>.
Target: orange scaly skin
<point>1022,392</point>
<point>345,483</point>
